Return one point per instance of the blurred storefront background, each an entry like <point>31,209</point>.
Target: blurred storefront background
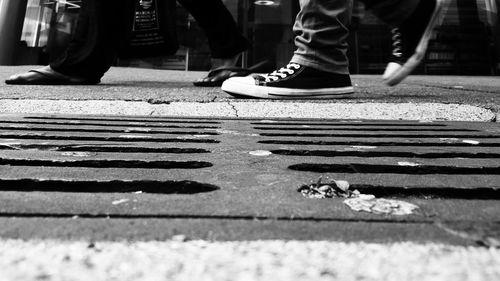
<point>468,43</point>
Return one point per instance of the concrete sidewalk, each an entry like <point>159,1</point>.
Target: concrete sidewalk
<point>149,92</point>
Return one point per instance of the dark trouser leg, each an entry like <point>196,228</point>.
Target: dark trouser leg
<point>224,38</point>
<point>321,30</point>
<point>102,27</point>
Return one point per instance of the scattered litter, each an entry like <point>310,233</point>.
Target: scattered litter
<point>128,130</point>
<point>380,206</point>
<point>455,140</point>
<point>363,147</point>
<point>260,153</point>
<point>77,154</point>
<point>408,164</point>
<point>134,136</point>
<point>331,189</point>
<point>179,238</point>
<point>449,140</point>
<point>354,199</point>
<point>471,142</point>
<point>121,201</point>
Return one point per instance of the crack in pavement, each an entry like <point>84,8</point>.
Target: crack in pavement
<point>234,109</point>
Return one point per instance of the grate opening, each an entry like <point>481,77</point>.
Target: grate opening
<point>363,129</point>
<point>380,135</point>
<point>332,153</point>
<point>125,138</point>
<point>358,168</point>
<point>428,192</point>
<point>124,130</point>
<point>113,124</point>
<point>116,186</point>
<point>340,124</point>
<point>138,120</point>
<point>381,143</point>
<point>91,148</point>
<point>130,164</point>
<point>391,220</point>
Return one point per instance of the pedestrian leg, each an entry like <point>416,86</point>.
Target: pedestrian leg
<point>102,26</point>
<point>319,67</point>
<point>225,40</point>
<point>413,21</point>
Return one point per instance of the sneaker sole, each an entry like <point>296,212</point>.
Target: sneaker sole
<point>241,90</point>
<point>412,63</point>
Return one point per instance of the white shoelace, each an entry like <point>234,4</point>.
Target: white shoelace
<point>397,45</point>
<point>281,73</point>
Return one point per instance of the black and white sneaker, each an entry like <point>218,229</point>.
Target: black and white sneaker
<point>410,40</point>
<point>294,81</point>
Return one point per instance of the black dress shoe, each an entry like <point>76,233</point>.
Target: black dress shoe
<point>47,76</point>
<point>217,76</point>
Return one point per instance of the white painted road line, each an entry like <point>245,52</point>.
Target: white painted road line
<point>257,260</point>
<point>382,111</point>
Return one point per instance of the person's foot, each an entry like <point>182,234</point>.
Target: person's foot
<point>410,40</point>
<point>221,70</point>
<point>47,76</point>
<point>291,82</point>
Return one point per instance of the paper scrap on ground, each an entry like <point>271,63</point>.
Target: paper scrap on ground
<point>260,153</point>
<point>355,200</point>
<point>120,201</point>
<point>380,206</point>
<point>408,164</point>
<point>475,142</point>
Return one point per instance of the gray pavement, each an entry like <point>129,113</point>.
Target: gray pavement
<point>162,86</point>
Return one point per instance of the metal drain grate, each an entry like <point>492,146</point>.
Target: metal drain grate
<point>59,167</point>
<point>393,157</point>
<point>376,156</point>
<point>95,154</point>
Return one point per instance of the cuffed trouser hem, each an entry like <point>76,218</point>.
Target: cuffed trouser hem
<point>332,68</point>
